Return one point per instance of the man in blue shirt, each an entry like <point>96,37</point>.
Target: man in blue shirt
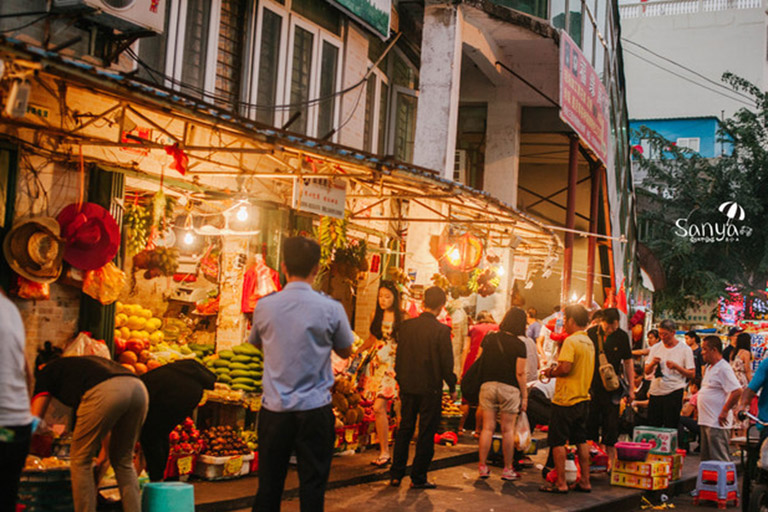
<point>296,329</point>
<point>755,386</point>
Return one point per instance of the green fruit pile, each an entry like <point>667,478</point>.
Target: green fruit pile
<point>201,351</point>
<point>240,368</point>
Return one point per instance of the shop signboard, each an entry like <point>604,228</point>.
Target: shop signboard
<point>323,196</point>
<point>583,98</point>
<point>374,14</point>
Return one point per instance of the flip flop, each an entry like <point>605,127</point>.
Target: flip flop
<point>381,462</point>
<point>552,489</point>
<point>579,488</point>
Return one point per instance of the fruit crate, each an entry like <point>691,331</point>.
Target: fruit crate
<point>46,490</point>
<point>223,468</point>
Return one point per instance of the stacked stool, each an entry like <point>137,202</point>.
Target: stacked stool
<point>168,497</point>
<point>717,482</point>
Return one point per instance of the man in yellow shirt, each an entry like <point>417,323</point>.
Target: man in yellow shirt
<point>570,403</point>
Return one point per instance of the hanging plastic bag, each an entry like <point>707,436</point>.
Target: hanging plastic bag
<point>522,433</point>
<point>104,284</point>
<point>32,290</point>
<point>84,345</point>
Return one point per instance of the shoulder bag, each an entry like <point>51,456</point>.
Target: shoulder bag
<point>606,369</point>
<point>473,378</point>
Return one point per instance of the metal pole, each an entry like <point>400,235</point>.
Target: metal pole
<point>570,219</point>
<point>593,211</point>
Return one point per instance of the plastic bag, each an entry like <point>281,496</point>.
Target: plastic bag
<point>104,284</point>
<point>522,433</point>
<point>32,290</point>
<point>84,345</point>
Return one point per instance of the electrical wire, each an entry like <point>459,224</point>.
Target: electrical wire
<point>286,106</point>
<point>23,14</point>
<point>20,27</point>
<point>694,82</point>
<point>713,82</point>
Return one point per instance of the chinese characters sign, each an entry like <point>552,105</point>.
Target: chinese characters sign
<point>320,195</point>
<point>583,99</point>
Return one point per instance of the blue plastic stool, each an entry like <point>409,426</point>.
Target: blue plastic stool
<point>717,481</point>
<point>168,497</point>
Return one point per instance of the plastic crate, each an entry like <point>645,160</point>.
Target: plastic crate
<point>46,490</point>
<point>632,451</point>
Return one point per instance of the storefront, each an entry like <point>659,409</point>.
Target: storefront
<point>192,206</point>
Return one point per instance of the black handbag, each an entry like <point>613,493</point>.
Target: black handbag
<point>473,378</point>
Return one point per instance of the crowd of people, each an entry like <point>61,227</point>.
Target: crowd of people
<point>591,386</point>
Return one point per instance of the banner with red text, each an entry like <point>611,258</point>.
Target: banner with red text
<point>583,99</point>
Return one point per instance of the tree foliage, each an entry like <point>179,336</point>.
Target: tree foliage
<point>681,184</point>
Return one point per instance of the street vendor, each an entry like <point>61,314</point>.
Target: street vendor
<point>174,390</point>
<point>107,399</point>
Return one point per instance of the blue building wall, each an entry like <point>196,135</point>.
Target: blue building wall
<point>705,128</point>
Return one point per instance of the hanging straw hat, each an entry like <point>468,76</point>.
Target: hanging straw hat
<point>34,249</point>
<point>91,233</point>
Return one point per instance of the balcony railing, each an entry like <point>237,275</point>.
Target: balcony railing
<point>677,7</point>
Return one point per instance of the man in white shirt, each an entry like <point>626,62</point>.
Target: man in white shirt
<point>720,392</point>
<point>15,418</point>
<point>671,362</point>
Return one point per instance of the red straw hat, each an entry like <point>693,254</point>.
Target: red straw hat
<point>92,236</point>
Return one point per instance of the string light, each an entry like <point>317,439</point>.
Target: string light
<point>242,213</point>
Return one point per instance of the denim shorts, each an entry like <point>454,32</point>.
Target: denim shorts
<point>499,397</point>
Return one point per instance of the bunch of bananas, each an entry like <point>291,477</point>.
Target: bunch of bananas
<point>137,222</point>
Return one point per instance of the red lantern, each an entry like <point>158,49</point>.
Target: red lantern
<point>464,253</point>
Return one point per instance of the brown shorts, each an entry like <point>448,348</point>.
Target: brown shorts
<point>499,397</point>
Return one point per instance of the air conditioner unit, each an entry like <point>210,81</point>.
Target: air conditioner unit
<point>123,15</point>
<point>460,166</point>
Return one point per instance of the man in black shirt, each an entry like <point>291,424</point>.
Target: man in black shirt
<point>423,361</point>
<point>694,342</point>
<point>604,406</point>
<point>174,389</point>
<point>107,398</point>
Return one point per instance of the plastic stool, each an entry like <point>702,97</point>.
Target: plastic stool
<point>168,497</point>
<point>716,482</point>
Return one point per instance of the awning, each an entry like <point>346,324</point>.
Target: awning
<point>122,123</point>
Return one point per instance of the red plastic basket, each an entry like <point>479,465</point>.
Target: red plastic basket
<point>631,451</point>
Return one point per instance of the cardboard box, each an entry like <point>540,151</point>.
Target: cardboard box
<point>643,468</point>
<point>639,482</point>
<point>675,461</point>
<point>664,440</point>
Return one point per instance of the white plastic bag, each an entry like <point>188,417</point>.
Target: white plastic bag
<point>84,345</point>
<point>522,433</point>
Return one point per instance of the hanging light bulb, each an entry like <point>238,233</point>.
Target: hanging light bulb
<point>189,238</point>
<point>242,213</point>
<point>454,256</point>
<point>574,298</point>
<point>500,271</point>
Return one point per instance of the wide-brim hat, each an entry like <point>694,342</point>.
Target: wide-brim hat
<point>34,249</point>
<point>91,234</point>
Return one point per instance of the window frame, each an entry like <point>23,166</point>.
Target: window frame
<point>253,83</point>
<point>320,35</point>
<point>381,79</point>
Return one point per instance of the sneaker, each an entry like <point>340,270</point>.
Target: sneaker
<point>483,471</point>
<point>510,474</point>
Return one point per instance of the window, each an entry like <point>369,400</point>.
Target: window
<point>370,103</point>
<point>588,43</point>
<point>328,73</point>
<point>297,84</point>
<point>533,7</point>
<point>557,13</point>
<point>229,62</point>
<point>575,19</point>
<point>692,143</point>
<point>404,124</point>
<point>383,109</point>
<point>194,55</point>
<point>181,56</point>
<point>301,69</point>
<point>268,68</point>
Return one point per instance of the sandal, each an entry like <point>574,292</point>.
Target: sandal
<point>552,489</point>
<point>579,488</point>
<point>381,461</point>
